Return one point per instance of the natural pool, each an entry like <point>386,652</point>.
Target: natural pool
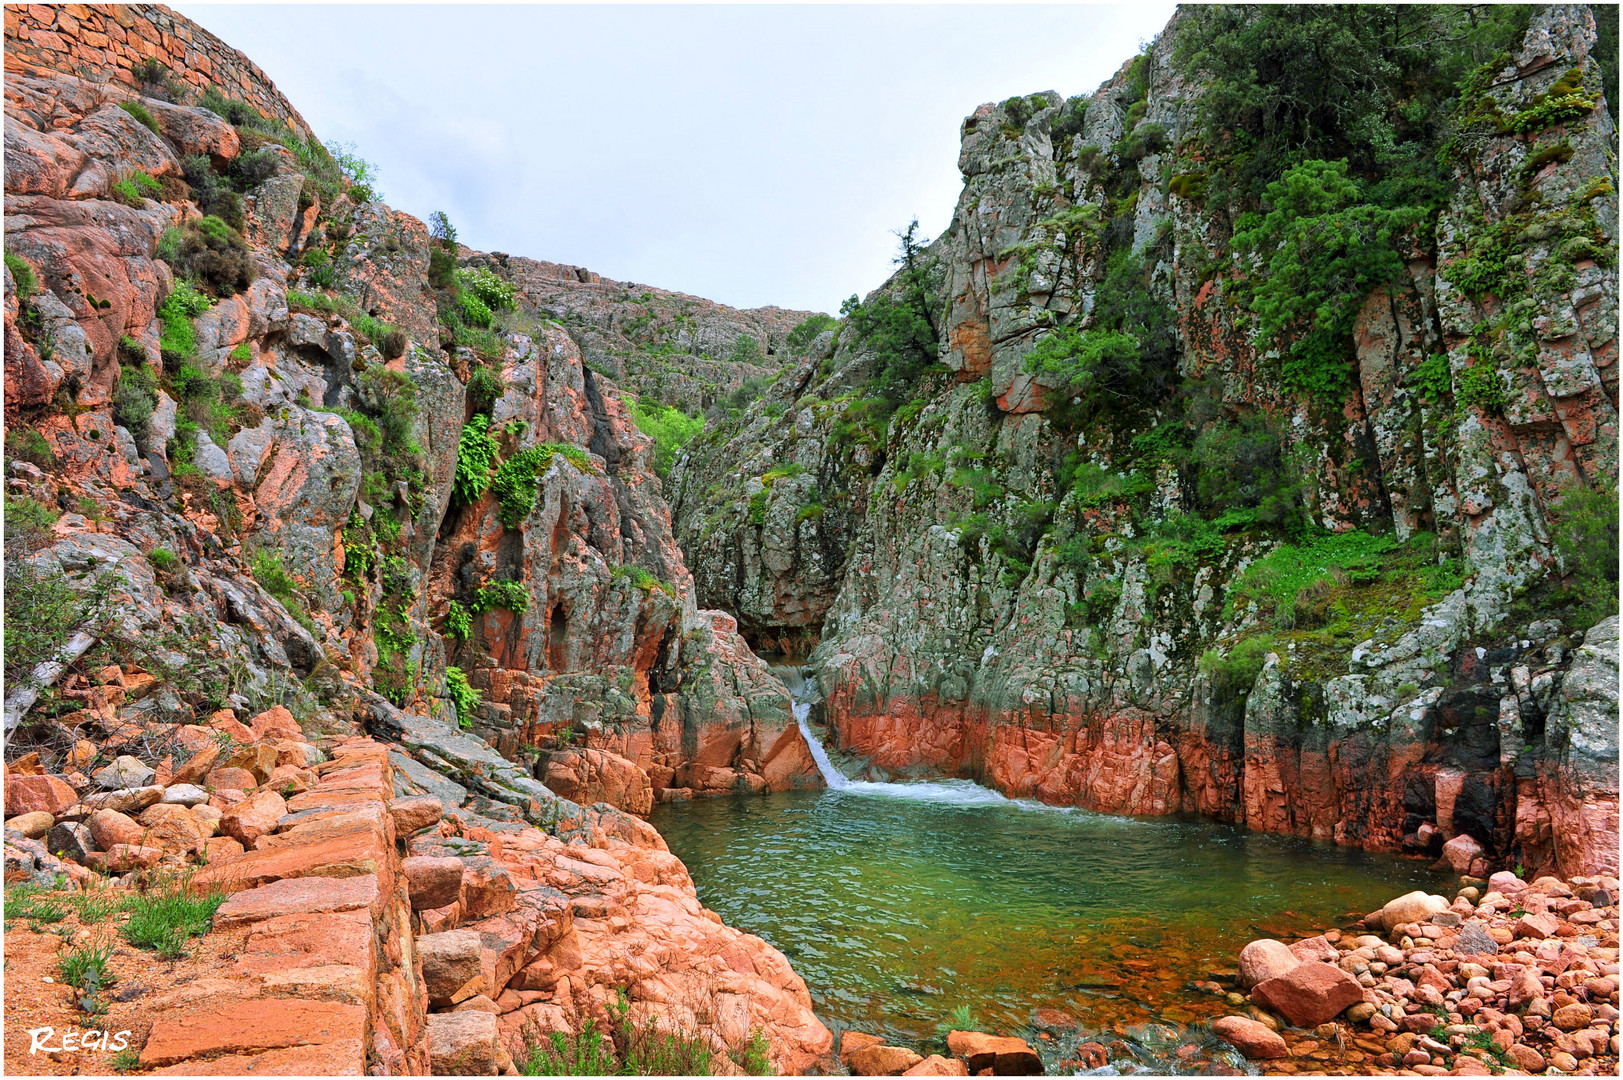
<point>897,910</point>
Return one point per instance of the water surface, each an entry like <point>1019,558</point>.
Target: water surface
<point>896,910</point>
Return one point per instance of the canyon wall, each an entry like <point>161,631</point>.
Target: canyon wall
<point>1059,605</point>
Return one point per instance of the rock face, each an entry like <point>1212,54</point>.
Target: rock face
<point>994,586</point>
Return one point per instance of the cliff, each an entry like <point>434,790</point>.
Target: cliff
<point>1119,541</point>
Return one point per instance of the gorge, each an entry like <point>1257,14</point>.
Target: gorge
<point>1211,535</point>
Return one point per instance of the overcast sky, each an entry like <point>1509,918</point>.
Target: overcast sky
<point>749,154</point>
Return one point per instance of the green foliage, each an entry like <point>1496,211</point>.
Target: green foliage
<point>458,621</point>
<point>492,291</point>
<point>518,478</point>
<point>135,400</point>
<point>42,611</point>
<point>476,311</point>
<point>475,458</point>
<point>22,277</point>
<point>163,920</point>
<point>272,576</point>
<point>669,427</point>
<point>1236,671</point>
<point>163,560</point>
<point>502,595</point>
<point>132,189</point>
<point>1242,464</point>
<point>465,697</point>
<point>178,339</point>
<point>898,327</point>
<point>1432,378</point>
<point>213,253</point>
<point>642,579</point>
<point>1482,387</point>
<point>565,1054</point>
<point>485,387</point>
<point>85,969</point>
<point>25,515</point>
<point>1564,101</point>
<point>1584,528</point>
<point>632,1048</point>
<point>29,445</point>
<point>746,350</point>
<point>1322,246</point>
<point>806,331</point>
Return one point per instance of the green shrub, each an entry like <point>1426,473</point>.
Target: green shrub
<point>212,251</point>
<point>491,291</point>
<point>475,459</point>
<point>806,331</point>
<point>272,576</point>
<point>1236,671</point>
<point>476,311</point>
<point>26,444</point>
<point>518,478</point>
<point>1243,464</point>
<point>22,277</point>
<point>1584,528</point>
<point>502,595</point>
<point>163,560</point>
<point>41,611</point>
<point>178,338</point>
<point>746,350</point>
<point>642,579</point>
<point>1482,387</point>
<point>1277,581</point>
<point>669,427</point>
<point>142,115</point>
<point>134,402</point>
<point>485,388</point>
<point>465,697</point>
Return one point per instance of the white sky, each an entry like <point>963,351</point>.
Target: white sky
<point>748,154</point>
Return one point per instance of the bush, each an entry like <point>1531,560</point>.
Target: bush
<point>806,331</point>
<point>1242,464</point>
<point>22,277</point>
<point>518,478</point>
<point>669,427</point>
<point>476,311</point>
<point>134,402</point>
<point>272,576</point>
<point>131,190</point>
<point>465,697</point>
<point>1236,671</point>
<point>211,251</point>
<point>26,444</point>
<point>142,115</point>
<point>490,290</point>
<point>746,350</point>
<point>41,611</point>
<point>1584,528</point>
<point>458,621</point>
<point>485,388</point>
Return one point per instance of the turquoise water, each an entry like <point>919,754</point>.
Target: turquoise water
<point>896,911</point>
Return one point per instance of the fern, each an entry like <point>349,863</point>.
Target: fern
<point>475,457</point>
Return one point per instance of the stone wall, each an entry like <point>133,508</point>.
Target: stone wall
<point>105,42</point>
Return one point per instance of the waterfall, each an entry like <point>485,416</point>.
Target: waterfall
<point>961,792</point>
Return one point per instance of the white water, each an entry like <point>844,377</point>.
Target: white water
<point>960,792</point>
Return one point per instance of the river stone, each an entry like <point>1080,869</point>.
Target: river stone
<point>1265,959</point>
<point>1251,1039</point>
<point>936,1065</point>
<point>1411,908</point>
<point>1004,1056</point>
<point>883,1061</point>
<point>125,772</point>
<point>1310,994</point>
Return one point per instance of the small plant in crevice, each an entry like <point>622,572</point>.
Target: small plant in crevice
<point>465,697</point>
<point>501,595</point>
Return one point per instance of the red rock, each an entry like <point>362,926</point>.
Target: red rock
<point>1005,1056</point>
<point>37,794</point>
<point>414,813</point>
<point>110,827</point>
<point>591,775</point>
<point>1092,1055</point>
<point>276,721</point>
<point>1254,1041</point>
<point>1572,1017</point>
<point>254,817</point>
<point>341,857</point>
<point>1534,925</point>
<point>432,881</point>
<point>218,848</point>
<point>307,895</point>
<point>257,1024</point>
<point>1309,994</point>
<point>1461,852</point>
<point>463,1043</point>
<point>852,1041</point>
<point>936,1065</point>
<point>883,1061</point>
<point>1527,1058</point>
<point>195,769</point>
<point>231,779</point>
<point>1265,959</point>
<point>1314,948</point>
<point>487,888</point>
<point>120,858</point>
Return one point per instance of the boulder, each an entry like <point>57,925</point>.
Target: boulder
<point>1461,852</point>
<point>1309,994</point>
<point>276,721</point>
<point>38,794</point>
<point>125,772</point>
<point>1265,959</point>
<point>35,824</point>
<point>1411,907</point>
<point>1004,1056</point>
<point>121,858</point>
<point>487,888</point>
<point>1253,1040</point>
<point>1314,948</point>
<point>451,966</point>
<point>1573,1017</point>
<point>852,1041</point>
<point>197,767</point>
<point>413,813</point>
<point>128,801</point>
<point>232,779</point>
<point>432,881</point>
<point>110,827</point>
<point>71,840</point>
<point>185,794</point>
<point>173,828</point>
<point>254,817</point>
<point>1506,883</point>
<point>883,1061</point>
<point>1537,926</point>
<point>462,1043</point>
